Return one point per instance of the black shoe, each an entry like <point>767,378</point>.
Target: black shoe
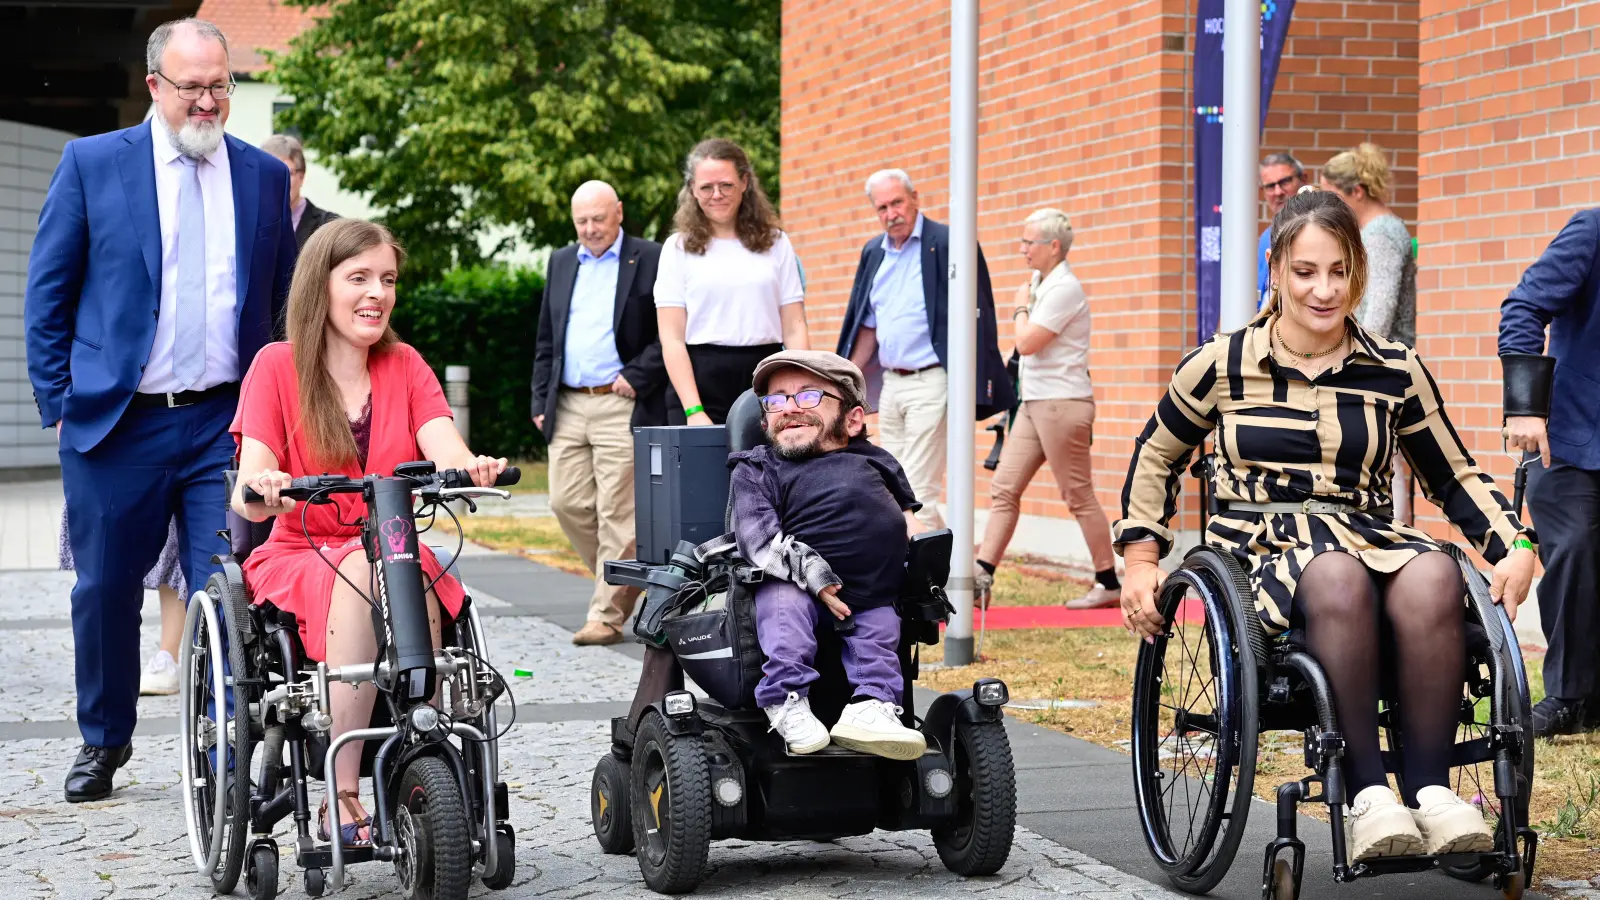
<point>90,777</point>
<point>1553,716</point>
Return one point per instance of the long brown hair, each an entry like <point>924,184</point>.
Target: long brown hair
<point>757,223</point>
<point>1325,210</point>
<point>322,415</point>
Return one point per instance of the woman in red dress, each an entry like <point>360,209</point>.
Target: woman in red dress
<point>343,396</point>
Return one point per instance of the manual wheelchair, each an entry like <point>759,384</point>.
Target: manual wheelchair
<point>685,770</point>
<point>1206,689</point>
<point>254,716</point>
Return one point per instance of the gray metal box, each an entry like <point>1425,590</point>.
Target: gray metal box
<point>680,487</point>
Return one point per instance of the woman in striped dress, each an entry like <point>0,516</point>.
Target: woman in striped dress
<point>1308,411</point>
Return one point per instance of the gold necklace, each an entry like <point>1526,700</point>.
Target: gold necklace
<point>1278,333</point>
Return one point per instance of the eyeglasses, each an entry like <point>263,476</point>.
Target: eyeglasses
<point>810,398</point>
<point>709,190</point>
<point>1027,243</point>
<point>193,91</point>
<point>1285,183</point>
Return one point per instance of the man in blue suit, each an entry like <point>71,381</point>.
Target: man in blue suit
<point>895,330</point>
<point>1561,291</point>
<point>160,267</point>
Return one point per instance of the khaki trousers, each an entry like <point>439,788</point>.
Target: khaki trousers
<point>911,426</point>
<point>1057,432</point>
<point>591,490</point>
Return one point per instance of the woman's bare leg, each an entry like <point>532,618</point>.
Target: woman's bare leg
<point>172,611</point>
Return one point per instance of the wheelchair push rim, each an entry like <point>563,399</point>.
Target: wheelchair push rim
<point>203,683</point>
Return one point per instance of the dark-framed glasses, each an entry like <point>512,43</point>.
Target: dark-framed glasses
<point>810,398</point>
<point>1286,183</point>
<point>193,91</point>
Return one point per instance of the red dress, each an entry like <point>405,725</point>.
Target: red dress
<point>285,570</point>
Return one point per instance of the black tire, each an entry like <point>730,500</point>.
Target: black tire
<point>670,795</point>
<point>261,874</point>
<point>505,849</point>
<point>316,882</point>
<point>1196,845</point>
<point>430,823</point>
<point>610,811</point>
<point>978,841</point>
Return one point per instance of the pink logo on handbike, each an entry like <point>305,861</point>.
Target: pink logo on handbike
<point>394,533</point>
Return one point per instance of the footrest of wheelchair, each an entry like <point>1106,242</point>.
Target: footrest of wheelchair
<point>1386,865</point>
<point>834,751</point>
<point>322,857</point>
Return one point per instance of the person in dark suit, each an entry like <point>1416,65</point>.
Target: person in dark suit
<point>1561,292</point>
<point>597,372</point>
<point>307,216</point>
<point>160,266</point>
<point>895,330</point>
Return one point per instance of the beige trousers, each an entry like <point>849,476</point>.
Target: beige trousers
<point>1057,432</point>
<point>591,490</point>
<point>911,426</point>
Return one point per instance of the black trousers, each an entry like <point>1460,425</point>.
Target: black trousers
<point>722,374</point>
<point>1565,503</point>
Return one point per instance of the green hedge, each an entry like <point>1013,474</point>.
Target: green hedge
<point>486,318</point>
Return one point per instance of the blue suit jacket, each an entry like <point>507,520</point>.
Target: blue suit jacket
<point>94,277</point>
<point>1561,290</point>
<point>995,394</point>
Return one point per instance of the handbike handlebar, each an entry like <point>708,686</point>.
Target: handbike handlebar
<point>308,486</point>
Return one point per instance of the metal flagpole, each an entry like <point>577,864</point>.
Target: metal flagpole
<point>1241,123</point>
<point>963,357</point>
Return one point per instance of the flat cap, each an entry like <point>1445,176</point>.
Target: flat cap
<point>822,363</point>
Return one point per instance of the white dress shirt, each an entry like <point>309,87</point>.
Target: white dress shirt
<point>590,357</point>
<point>731,295</point>
<point>222,316</point>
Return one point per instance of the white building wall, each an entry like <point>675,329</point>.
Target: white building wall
<point>250,120</point>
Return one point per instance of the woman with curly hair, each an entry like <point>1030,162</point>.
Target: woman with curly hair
<point>728,291</point>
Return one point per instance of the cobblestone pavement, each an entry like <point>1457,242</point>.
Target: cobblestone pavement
<point>134,847</point>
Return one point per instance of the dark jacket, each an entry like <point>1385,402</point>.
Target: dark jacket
<point>994,385</point>
<point>634,322</point>
<point>313,218</point>
<point>1561,290</point>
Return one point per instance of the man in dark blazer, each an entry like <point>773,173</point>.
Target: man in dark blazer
<point>161,263</point>
<point>895,330</point>
<point>307,216</point>
<point>1561,292</point>
<point>597,372</point>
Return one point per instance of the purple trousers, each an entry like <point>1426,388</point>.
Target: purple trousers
<point>786,622</point>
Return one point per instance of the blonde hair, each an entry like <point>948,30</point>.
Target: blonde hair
<point>1053,225</point>
<point>1327,211</point>
<point>1365,166</point>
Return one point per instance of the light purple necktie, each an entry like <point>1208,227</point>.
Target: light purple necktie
<point>189,331</point>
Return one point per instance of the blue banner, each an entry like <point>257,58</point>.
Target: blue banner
<point>1208,141</point>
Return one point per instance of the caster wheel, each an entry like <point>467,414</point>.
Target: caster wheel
<point>505,851</point>
<point>609,809</point>
<point>978,841</point>
<point>1282,886</point>
<point>261,872</point>
<point>1513,886</point>
<point>316,882</point>
<point>670,790</point>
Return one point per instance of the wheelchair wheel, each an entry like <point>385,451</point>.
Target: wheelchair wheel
<point>670,792</point>
<point>1195,721</point>
<point>979,840</point>
<point>214,735</point>
<point>430,825</point>
<point>261,872</point>
<point>505,851</point>
<point>609,809</point>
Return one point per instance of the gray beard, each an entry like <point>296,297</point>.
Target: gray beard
<point>197,141</point>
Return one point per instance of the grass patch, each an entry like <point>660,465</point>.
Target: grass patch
<point>535,477</point>
<point>537,539</point>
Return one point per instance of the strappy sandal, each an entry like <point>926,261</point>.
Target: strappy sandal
<point>349,832</point>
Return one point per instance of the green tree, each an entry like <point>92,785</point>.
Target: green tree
<point>461,115</point>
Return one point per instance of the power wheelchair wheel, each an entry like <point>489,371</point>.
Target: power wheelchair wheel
<point>670,792</point>
<point>609,809</point>
<point>214,734</point>
<point>506,855</point>
<point>430,824</point>
<point>1196,719</point>
<point>979,840</point>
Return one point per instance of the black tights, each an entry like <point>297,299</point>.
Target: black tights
<point>1421,605</point>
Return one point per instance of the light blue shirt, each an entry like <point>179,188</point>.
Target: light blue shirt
<point>590,358</point>
<point>898,309</point>
<point>1263,271</point>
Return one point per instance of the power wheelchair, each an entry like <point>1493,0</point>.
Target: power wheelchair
<point>685,770</point>
<point>254,721</point>
<point>1206,689</point>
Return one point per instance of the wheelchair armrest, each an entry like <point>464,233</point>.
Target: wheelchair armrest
<point>928,562</point>
<point>628,573</point>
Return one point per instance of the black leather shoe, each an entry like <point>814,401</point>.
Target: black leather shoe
<point>1553,716</point>
<point>90,777</point>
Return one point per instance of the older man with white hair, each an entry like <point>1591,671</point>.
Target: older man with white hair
<point>597,372</point>
<point>895,330</point>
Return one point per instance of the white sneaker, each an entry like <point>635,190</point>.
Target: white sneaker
<point>797,725</point>
<point>1376,824</point>
<point>160,676</point>
<point>1450,824</point>
<point>873,726</point>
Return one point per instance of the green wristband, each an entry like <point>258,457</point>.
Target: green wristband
<point>1522,544</point>
<point>697,408</point>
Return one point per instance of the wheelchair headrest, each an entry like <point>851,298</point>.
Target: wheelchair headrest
<point>744,424</point>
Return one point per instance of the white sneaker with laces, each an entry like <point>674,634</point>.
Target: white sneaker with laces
<point>873,726</point>
<point>1450,824</point>
<point>160,676</point>
<point>797,725</point>
<point>1376,824</point>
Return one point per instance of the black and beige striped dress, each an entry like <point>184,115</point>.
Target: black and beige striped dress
<point>1282,438</point>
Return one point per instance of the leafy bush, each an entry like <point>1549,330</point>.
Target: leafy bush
<point>487,318</point>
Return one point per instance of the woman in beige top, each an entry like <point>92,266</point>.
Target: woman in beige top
<point>1055,420</point>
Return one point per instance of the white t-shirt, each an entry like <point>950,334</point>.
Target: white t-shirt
<point>732,295</point>
<point>1060,371</point>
